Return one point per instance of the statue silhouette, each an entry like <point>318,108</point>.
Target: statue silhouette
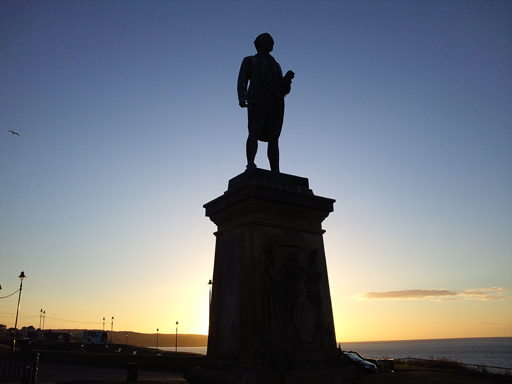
<point>262,89</point>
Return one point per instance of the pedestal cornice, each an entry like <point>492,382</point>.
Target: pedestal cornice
<point>260,196</point>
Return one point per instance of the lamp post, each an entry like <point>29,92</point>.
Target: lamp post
<point>40,317</point>
<point>21,276</point>
<point>157,338</point>
<point>44,316</point>
<point>176,347</point>
<point>126,338</point>
<point>210,286</point>
<point>112,331</point>
<point>210,295</point>
<point>103,324</point>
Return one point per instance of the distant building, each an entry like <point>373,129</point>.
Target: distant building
<point>58,337</point>
<point>29,332</point>
<point>94,337</point>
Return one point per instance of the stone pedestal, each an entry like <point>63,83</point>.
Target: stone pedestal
<point>270,317</point>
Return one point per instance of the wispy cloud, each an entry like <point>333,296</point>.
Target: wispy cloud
<point>408,294</point>
<point>483,294</point>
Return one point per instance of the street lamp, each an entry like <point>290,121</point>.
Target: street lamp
<point>44,316</point>
<point>157,338</point>
<point>21,276</point>
<point>126,338</point>
<point>176,347</point>
<point>103,324</point>
<point>210,283</point>
<point>112,331</point>
<point>40,317</point>
<point>210,286</point>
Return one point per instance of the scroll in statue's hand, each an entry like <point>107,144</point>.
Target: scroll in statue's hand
<point>244,102</point>
<point>289,76</point>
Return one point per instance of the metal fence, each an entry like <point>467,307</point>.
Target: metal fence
<point>446,364</point>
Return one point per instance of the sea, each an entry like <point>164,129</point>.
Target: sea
<point>488,351</point>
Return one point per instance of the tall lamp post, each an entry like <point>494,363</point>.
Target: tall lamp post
<point>40,318</point>
<point>176,347</point>
<point>21,276</point>
<point>157,338</point>
<point>112,331</point>
<point>210,283</point>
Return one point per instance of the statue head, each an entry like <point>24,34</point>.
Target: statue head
<point>264,43</point>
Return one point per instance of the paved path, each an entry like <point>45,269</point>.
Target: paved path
<point>56,373</point>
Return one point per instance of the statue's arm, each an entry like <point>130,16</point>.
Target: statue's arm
<point>243,81</point>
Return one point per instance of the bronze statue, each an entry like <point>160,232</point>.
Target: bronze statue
<point>264,99</point>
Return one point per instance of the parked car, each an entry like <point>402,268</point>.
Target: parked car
<point>377,362</point>
<point>363,365</point>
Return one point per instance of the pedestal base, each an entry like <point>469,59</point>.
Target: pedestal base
<point>270,315</point>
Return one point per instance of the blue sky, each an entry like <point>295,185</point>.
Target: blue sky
<point>129,122</point>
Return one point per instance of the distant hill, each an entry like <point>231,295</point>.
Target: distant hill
<point>148,339</point>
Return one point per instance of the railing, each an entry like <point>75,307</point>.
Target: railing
<point>13,368</point>
<point>499,374</point>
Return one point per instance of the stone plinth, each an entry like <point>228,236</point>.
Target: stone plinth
<point>270,316</point>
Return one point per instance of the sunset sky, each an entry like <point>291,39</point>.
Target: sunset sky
<point>128,123</point>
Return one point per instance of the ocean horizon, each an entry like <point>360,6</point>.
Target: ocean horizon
<point>488,351</point>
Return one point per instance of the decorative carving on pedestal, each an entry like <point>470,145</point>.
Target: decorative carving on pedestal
<point>293,333</point>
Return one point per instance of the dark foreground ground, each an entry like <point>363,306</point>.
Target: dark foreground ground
<point>423,377</point>
<point>61,373</point>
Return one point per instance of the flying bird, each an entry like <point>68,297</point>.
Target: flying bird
<point>14,133</point>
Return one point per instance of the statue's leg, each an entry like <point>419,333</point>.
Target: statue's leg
<point>273,155</point>
<point>274,124</point>
<point>251,149</point>
<point>255,125</point>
